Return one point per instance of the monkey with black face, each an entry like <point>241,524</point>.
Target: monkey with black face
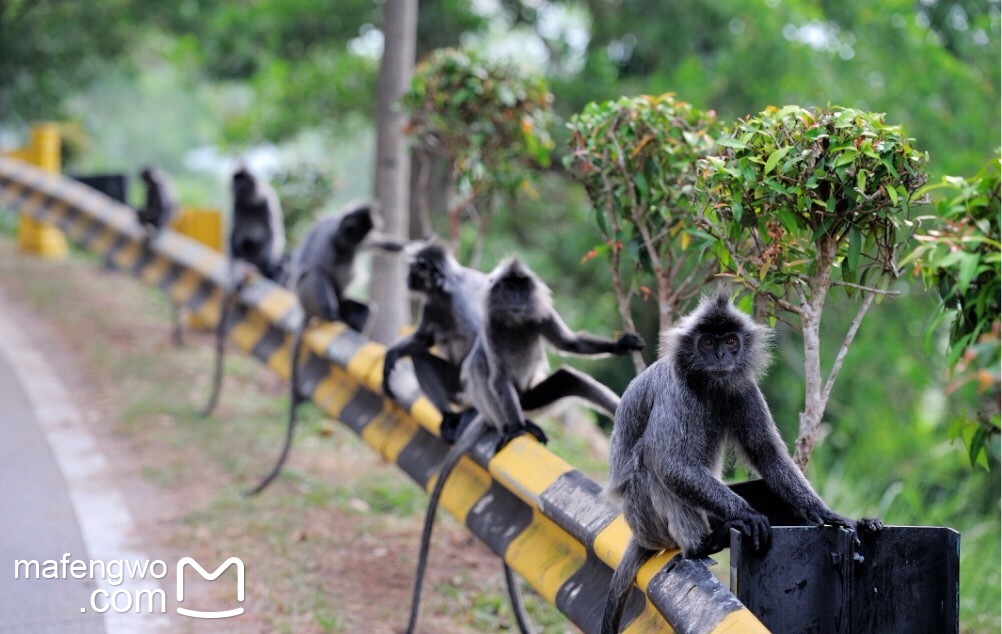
<point>506,368</point>
<point>257,236</point>
<point>256,242</point>
<point>451,318</point>
<point>322,267</point>
<point>674,423</point>
<point>161,202</point>
<point>157,214</point>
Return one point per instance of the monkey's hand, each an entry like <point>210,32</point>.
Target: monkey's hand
<point>629,342</point>
<point>387,372</point>
<point>752,524</point>
<point>869,525</point>
<point>822,516</point>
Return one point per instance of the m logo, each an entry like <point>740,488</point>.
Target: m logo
<point>188,561</point>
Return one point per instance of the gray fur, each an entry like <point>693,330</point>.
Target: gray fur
<point>321,268</point>
<point>451,319</point>
<point>161,202</point>
<point>674,423</point>
<point>157,214</point>
<point>257,234</point>
<point>507,362</point>
<point>257,241</point>
<point>323,265</point>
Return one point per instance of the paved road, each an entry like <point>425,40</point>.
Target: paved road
<point>38,522</point>
<point>55,498</point>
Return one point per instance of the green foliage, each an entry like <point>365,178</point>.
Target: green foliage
<point>959,254</point>
<point>792,183</point>
<point>934,64</point>
<point>491,120</point>
<point>801,201</point>
<point>303,189</point>
<point>637,160</point>
<point>50,49</point>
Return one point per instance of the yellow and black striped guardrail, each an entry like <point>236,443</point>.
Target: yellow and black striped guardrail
<point>545,518</point>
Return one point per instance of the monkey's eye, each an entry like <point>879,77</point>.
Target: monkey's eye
<point>706,342</point>
<point>731,340</point>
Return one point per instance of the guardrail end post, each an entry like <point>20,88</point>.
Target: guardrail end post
<point>39,238</point>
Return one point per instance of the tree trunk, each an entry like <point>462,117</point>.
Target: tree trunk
<point>814,400</point>
<point>810,418</point>
<point>388,291</point>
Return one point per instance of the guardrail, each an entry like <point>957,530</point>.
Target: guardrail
<point>545,518</point>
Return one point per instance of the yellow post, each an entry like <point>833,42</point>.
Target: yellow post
<point>35,237</point>
<point>204,225</point>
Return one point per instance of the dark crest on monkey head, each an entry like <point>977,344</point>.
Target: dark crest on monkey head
<point>356,223</point>
<point>717,343</point>
<point>244,186</point>
<point>515,296</point>
<point>429,268</point>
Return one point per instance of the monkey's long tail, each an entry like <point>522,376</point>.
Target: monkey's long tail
<point>294,400</point>
<point>622,583</point>
<point>217,376</point>
<point>177,328</point>
<point>517,606</point>
<point>463,444</point>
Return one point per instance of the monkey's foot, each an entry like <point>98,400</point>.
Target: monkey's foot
<point>450,429</point>
<point>507,437</point>
<point>530,427</point>
<point>536,431</point>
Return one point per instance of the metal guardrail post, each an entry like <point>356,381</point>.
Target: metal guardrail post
<point>36,237</point>
<point>902,580</point>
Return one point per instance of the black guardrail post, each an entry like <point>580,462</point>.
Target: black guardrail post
<point>114,186</point>
<point>901,580</point>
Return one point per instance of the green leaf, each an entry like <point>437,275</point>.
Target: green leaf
<point>855,246</point>
<point>977,444</point>
<point>775,158</point>
<point>642,185</point>
<point>822,229</point>
<point>968,268</point>
<point>892,193</point>
<point>847,157</point>
<point>732,143</point>
<point>788,219</point>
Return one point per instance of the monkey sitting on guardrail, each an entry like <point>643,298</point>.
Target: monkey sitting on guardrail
<point>673,424</point>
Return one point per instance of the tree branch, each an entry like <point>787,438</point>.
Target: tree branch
<point>624,297</point>
<point>868,289</point>
<point>849,336</point>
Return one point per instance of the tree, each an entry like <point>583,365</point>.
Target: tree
<point>804,201</point>
<point>958,253</point>
<point>389,293</point>
<point>489,120</point>
<point>48,50</point>
<point>637,159</point>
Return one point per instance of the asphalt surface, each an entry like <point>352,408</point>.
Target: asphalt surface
<point>38,523</point>
<point>58,501</point>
